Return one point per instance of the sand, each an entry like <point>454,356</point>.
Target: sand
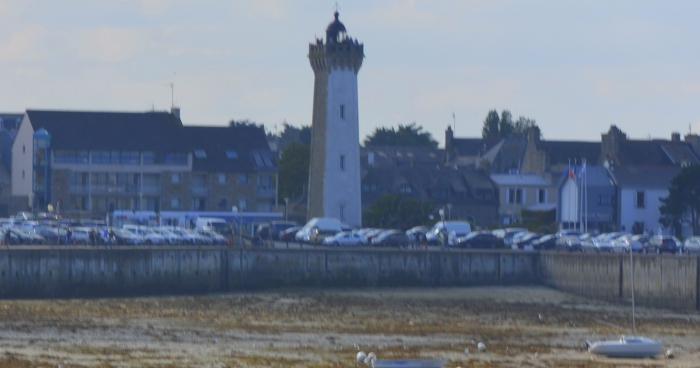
<point>521,327</point>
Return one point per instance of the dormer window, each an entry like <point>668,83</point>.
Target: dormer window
<point>231,154</point>
<point>200,153</point>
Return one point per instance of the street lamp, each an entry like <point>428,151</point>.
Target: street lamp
<point>286,203</point>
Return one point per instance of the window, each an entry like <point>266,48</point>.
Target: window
<point>176,159</point>
<point>129,158</point>
<point>222,179</point>
<point>223,204</point>
<point>148,158</point>
<point>405,188</point>
<point>342,112</point>
<point>342,162</point>
<point>242,179</point>
<point>99,157</point>
<point>242,204</point>
<point>342,212</point>
<point>22,174</point>
<point>200,153</point>
<point>231,154</point>
<point>541,196</point>
<point>515,196</point>
<point>175,178</point>
<point>24,148</point>
<point>175,203</point>
<point>640,199</point>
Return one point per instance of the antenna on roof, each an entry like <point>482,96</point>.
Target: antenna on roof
<point>454,122</point>
<point>172,95</point>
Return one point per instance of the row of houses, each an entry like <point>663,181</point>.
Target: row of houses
<point>616,183</point>
<point>88,164</point>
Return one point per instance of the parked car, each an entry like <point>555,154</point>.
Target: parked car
<point>479,240</point>
<point>212,237</point>
<point>80,235</point>
<point>288,234</point>
<point>628,243</point>
<point>447,232</point>
<point>278,227</point>
<point>125,237</point>
<point>664,244</point>
<point>547,242</point>
<point>692,245</point>
<point>318,228</point>
<point>524,241</point>
<point>510,236</point>
<point>345,238</point>
<point>417,234</point>
<point>391,238</point>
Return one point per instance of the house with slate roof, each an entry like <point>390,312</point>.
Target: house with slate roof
<point>90,163</point>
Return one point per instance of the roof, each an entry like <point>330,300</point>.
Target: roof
<point>644,176</point>
<point>124,131</point>
<point>468,146</point>
<point>520,179</point>
<point>656,152</point>
<point>563,152</point>
<point>596,176</point>
<point>241,148</point>
<point>334,29</point>
<point>10,121</point>
<point>507,155</point>
<point>401,155</point>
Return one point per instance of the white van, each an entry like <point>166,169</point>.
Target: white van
<point>318,228</point>
<point>449,229</point>
<point>212,224</point>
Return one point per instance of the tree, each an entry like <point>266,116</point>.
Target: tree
<point>293,169</point>
<point>683,201</point>
<point>406,135</point>
<point>491,130</point>
<point>496,128</point>
<point>397,212</point>
<point>244,123</point>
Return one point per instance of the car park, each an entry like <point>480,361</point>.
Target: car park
<point>288,234</point>
<point>524,241</point>
<point>391,238</point>
<point>447,232</point>
<point>345,238</point>
<point>664,244</point>
<point>417,234</point>
<point>692,245</point>
<point>479,240</point>
<point>547,242</point>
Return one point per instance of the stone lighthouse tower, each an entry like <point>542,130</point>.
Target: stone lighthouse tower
<point>334,170</point>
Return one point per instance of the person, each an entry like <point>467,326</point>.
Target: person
<point>69,234</point>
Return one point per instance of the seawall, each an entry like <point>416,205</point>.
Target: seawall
<point>46,272</point>
<point>82,272</point>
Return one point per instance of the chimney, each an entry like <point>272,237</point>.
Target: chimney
<point>175,111</point>
<point>449,136</point>
<point>675,137</point>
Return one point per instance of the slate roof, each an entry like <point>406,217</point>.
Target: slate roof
<point>249,144</point>
<point>10,121</point>
<point>468,146</point>
<point>101,131</point>
<point>435,184</point>
<point>507,155</point>
<point>644,176</point>
<point>402,156</point>
<point>520,179</point>
<point>561,152</point>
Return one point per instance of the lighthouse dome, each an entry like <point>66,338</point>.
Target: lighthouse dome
<point>336,30</point>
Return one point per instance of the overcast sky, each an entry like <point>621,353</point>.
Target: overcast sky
<point>574,66</point>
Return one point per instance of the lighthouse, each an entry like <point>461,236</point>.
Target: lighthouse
<point>334,168</point>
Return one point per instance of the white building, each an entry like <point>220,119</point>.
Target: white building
<point>640,190</point>
<point>334,172</point>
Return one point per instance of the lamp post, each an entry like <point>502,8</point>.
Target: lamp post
<point>286,203</point>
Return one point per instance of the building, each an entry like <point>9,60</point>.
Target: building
<point>88,164</point>
<point>519,193</point>
<point>232,167</point>
<point>9,203</point>
<point>334,169</point>
<point>464,194</point>
<point>587,199</point>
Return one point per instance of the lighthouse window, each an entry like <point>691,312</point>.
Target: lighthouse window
<point>342,112</point>
<point>342,162</point>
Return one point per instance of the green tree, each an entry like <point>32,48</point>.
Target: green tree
<point>293,169</point>
<point>683,201</point>
<point>496,128</point>
<point>405,135</point>
<point>397,212</point>
<point>491,130</point>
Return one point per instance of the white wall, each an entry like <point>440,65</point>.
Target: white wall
<point>569,202</point>
<point>342,187</point>
<point>649,215</point>
<point>22,151</point>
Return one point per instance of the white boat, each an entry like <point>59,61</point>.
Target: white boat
<point>627,347</point>
<point>408,364</point>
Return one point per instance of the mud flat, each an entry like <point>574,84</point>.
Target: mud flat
<point>521,326</point>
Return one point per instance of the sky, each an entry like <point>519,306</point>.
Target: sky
<point>574,66</point>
